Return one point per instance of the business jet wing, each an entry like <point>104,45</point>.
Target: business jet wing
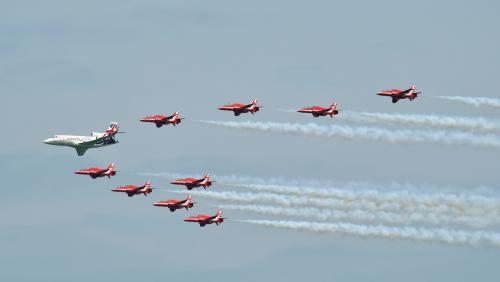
<point>81,150</point>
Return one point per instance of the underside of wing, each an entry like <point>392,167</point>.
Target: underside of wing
<point>81,150</point>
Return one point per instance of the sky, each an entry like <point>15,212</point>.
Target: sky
<point>69,67</point>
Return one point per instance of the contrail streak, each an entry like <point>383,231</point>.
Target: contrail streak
<point>368,133</point>
<point>447,122</point>
<point>286,110</point>
<point>338,204</point>
<point>361,215</point>
<point>232,179</point>
<point>440,235</point>
<point>394,200</point>
<point>474,101</point>
<point>390,196</point>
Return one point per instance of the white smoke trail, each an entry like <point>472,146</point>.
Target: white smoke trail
<point>231,179</point>
<point>447,122</point>
<point>387,196</point>
<point>282,200</point>
<point>361,215</point>
<point>368,133</point>
<point>440,235</point>
<point>286,110</point>
<point>395,200</point>
<point>351,185</point>
<point>474,101</point>
<point>337,204</point>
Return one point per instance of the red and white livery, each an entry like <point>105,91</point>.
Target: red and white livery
<point>161,120</point>
<point>96,172</point>
<point>206,219</point>
<point>397,94</point>
<point>133,190</point>
<point>174,205</point>
<point>238,109</point>
<point>191,183</point>
<point>318,111</point>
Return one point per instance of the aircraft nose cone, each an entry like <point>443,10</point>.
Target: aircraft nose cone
<point>46,141</point>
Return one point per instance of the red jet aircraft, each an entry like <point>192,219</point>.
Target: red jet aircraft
<point>161,120</point>
<point>317,111</point>
<point>242,108</point>
<point>175,204</point>
<point>206,219</point>
<point>397,94</point>
<point>132,190</point>
<point>191,183</point>
<point>96,172</point>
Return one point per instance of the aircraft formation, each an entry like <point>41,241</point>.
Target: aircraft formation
<point>101,139</point>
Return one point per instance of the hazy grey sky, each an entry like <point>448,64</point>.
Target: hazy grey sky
<point>71,67</point>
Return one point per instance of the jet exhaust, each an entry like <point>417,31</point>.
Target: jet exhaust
<point>400,201</point>
<point>474,101</point>
<point>361,215</point>
<point>438,235</point>
<point>367,133</point>
<point>365,208</point>
<point>436,121</point>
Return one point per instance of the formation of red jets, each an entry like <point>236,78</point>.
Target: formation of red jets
<point>172,204</point>
<point>252,107</point>
<point>205,181</point>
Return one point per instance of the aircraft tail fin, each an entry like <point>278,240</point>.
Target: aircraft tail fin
<point>113,128</point>
<point>189,201</point>
<point>218,215</point>
<point>109,170</point>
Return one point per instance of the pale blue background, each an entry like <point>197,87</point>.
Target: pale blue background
<point>73,66</point>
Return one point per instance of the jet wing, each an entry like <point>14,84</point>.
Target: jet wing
<point>167,118</point>
<point>235,107</point>
<point>102,170</point>
<point>97,171</point>
<point>208,219</point>
<point>81,150</point>
<point>181,202</point>
<point>400,95</point>
<point>98,140</point>
<point>245,106</point>
<point>136,189</point>
<point>405,91</point>
<point>320,111</point>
